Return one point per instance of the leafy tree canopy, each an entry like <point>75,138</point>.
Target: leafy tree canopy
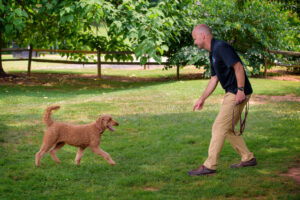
<point>251,27</point>
<point>151,29</point>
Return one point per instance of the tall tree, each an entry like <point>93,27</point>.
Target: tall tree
<point>43,23</point>
<point>152,26</point>
<point>251,26</point>
<point>12,21</point>
<point>151,29</point>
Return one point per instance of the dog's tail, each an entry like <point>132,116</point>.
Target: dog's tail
<point>47,115</point>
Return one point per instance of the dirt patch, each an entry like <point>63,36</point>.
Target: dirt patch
<point>293,173</point>
<point>50,79</point>
<point>152,189</point>
<point>283,75</point>
<point>263,99</point>
<point>158,79</point>
<point>285,78</point>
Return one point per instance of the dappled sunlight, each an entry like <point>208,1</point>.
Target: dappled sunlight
<point>264,99</point>
<point>276,150</point>
<point>264,171</point>
<point>151,168</point>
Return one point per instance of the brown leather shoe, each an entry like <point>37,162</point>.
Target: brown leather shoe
<point>248,163</point>
<point>201,171</point>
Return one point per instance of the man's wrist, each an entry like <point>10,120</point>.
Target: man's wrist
<point>241,89</point>
<point>203,97</point>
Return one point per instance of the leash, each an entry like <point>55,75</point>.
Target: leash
<point>242,124</point>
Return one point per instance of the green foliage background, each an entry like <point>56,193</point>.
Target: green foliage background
<point>251,27</point>
<point>152,29</point>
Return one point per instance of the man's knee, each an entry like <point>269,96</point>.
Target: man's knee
<point>220,128</point>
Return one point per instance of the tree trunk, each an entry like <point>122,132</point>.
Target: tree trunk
<point>99,63</point>
<point>29,61</point>
<point>266,67</point>
<point>2,72</point>
<point>177,73</point>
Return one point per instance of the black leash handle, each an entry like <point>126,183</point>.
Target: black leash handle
<point>242,124</point>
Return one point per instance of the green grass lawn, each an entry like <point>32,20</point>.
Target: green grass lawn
<point>159,139</point>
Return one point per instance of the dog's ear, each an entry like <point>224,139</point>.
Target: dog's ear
<point>99,123</point>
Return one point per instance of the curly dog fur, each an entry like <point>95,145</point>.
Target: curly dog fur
<point>82,136</point>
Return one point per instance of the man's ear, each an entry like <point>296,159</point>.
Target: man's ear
<point>202,35</point>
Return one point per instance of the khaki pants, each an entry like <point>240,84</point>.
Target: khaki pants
<point>222,128</point>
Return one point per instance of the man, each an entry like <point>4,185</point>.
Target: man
<point>226,67</point>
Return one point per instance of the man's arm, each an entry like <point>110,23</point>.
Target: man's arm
<point>212,84</point>
<point>240,77</point>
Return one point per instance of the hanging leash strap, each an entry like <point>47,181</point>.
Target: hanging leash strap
<point>242,123</point>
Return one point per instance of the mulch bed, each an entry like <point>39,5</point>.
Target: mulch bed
<point>49,78</point>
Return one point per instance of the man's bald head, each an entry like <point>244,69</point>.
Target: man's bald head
<point>202,28</point>
<point>202,36</point>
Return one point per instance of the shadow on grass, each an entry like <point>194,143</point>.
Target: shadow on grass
<point>73,84</point>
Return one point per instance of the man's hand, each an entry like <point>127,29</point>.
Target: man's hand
<point>240,97</point>
<point>199,104</point>
<point>212,84</point>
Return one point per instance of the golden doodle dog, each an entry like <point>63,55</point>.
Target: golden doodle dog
<point>82,136</point>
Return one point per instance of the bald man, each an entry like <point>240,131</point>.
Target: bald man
<point>226,68</point>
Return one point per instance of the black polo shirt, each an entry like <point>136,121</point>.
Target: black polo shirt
<point>222,58</point>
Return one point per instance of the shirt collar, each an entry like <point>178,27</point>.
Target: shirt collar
<point>212,44</point>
